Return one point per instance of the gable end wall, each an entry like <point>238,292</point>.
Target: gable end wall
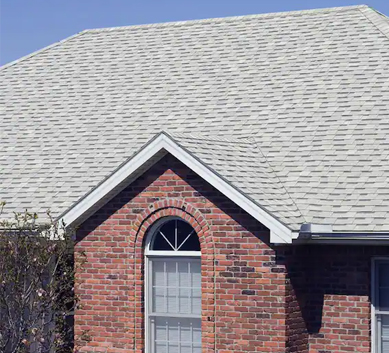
<point>243,294</point>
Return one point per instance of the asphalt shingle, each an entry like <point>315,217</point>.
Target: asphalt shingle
<point>310,88</point>
<point>241,163</point>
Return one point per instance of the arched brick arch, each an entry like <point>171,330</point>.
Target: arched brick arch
<point>181,209</point>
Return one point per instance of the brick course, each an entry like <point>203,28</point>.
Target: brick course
<point>332,290</point>
<point>256,297</point>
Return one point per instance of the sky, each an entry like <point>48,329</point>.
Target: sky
<point>29,25</point>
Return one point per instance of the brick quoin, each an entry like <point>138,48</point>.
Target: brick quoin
<point>256,297</point>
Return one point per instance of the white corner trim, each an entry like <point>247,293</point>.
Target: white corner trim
<point>372,305</point>
<point>374,344</point>
<point>279,233</point>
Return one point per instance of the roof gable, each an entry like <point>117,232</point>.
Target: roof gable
<point>150,154</point>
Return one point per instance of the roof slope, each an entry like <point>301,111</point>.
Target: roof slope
<point>241,163</point>
<point>311,88</point>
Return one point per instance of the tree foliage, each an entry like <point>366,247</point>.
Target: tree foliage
<point>37,298</point>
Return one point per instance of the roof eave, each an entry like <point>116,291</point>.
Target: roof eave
<point>324,234</point>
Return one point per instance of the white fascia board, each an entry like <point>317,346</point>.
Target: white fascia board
<point>279,233</point>
<point>111,182</point>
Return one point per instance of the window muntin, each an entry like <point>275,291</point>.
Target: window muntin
<point>173,288</point>
<point>381,305</point>
<point>175,235</point>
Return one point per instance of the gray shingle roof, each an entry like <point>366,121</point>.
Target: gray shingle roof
<point>311,88</point>
<point>243,165</point>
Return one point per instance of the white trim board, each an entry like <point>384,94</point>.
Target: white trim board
<point>279,233</point>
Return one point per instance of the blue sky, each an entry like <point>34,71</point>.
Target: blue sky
<point>29,25</point>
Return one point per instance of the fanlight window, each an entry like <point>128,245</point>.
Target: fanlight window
<point>175,235</point>
<point>173,288</point>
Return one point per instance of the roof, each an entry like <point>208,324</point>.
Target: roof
<point>242,164</point>
<point>230,172</point>
<point>310,89</point>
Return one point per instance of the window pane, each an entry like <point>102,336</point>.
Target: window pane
<point>185,300</point>
<point>160,333</point>
<point>195,268</point>
<point>184,242</point>
<point>160,243</point>
<point>159,273</point>
<point>159,288</point>
<point>176,286</point>
<point>196,332</point>
<point>172,306</point>
<point>184,273</point>
<point>173,348</point>
<point>161,348</point>
<point>183,230</point>
<point>196,274</point>
<point>196,301</point>
<point>159,302</point>
<point>177,335</point>
<point>384,298</point>
<point>384,333</point>
<point>173,327</point>
<point>383,275</point>
<point>383,285</point>
<point>176,235</point>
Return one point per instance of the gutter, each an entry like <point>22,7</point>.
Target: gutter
<point>323,233</point>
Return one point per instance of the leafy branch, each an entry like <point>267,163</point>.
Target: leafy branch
<point>37,299</point>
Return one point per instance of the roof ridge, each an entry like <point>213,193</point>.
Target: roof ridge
<point>212,138</point>
<point>378,19</point>
<point>228,18</point>
<point>5,66</point>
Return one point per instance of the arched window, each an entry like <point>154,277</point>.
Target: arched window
<point>173,288</point>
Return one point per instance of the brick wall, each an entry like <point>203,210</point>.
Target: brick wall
<point>243,281</point>
<point>256,298</point>
<point>296,328</point>
<point>331,287</point>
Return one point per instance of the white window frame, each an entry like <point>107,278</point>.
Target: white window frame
<point>149,254</point>
<point>375,339</point>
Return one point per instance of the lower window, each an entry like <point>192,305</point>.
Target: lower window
<point>176,335</point>
<point>381,306</point>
